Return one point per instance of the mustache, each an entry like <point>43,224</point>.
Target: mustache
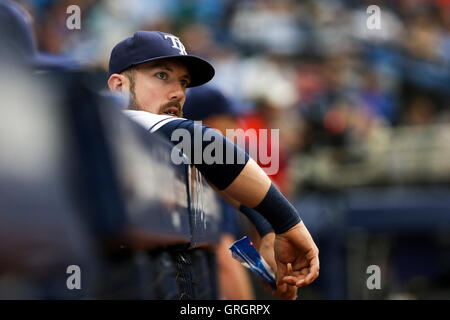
<point>171,104</point>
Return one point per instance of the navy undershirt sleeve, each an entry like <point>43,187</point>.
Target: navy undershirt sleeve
<point>261,224</point>
<point>231,159</point>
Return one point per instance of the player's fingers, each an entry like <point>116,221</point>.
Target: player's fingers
<point>313,271</point>
<point>305,275</point>
<point>289,268</point>
<point>297,278</point>
<point>290,280</point>
<point>288,275</point>
<point>285,291</point>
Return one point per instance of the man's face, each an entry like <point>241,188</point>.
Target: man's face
<point>160,87</point>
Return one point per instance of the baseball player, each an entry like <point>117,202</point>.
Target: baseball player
<point>153,70</point>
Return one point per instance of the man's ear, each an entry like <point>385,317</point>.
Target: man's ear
<point>117,83</point>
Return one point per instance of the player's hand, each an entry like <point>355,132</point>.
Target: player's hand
<point>266,249</point>
<point>296,257</point>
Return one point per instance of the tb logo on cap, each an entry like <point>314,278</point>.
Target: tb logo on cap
<point>176,43</point>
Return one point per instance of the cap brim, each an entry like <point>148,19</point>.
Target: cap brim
<point>200,70</point>
<point>46,61</point>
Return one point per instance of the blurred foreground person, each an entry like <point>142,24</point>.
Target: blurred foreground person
<point>41,232</point>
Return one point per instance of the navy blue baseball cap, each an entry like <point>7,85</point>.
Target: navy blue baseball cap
<point>145,46</point>
<point>18,41</point>
<point>206,101</point>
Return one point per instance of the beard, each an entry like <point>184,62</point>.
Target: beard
<point>133,105</point>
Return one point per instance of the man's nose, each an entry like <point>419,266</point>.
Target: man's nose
<point>177,92</point>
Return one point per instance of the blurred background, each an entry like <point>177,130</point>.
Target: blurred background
<point>364,117</point>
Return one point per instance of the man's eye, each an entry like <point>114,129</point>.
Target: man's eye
<point>161,75</point>
<point>184,83</point>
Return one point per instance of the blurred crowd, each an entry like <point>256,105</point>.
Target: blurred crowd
<point>354,106</point>
<point>340,93</point>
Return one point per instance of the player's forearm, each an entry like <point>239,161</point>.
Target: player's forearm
<point>250,186</point>
<point>233,202</point>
